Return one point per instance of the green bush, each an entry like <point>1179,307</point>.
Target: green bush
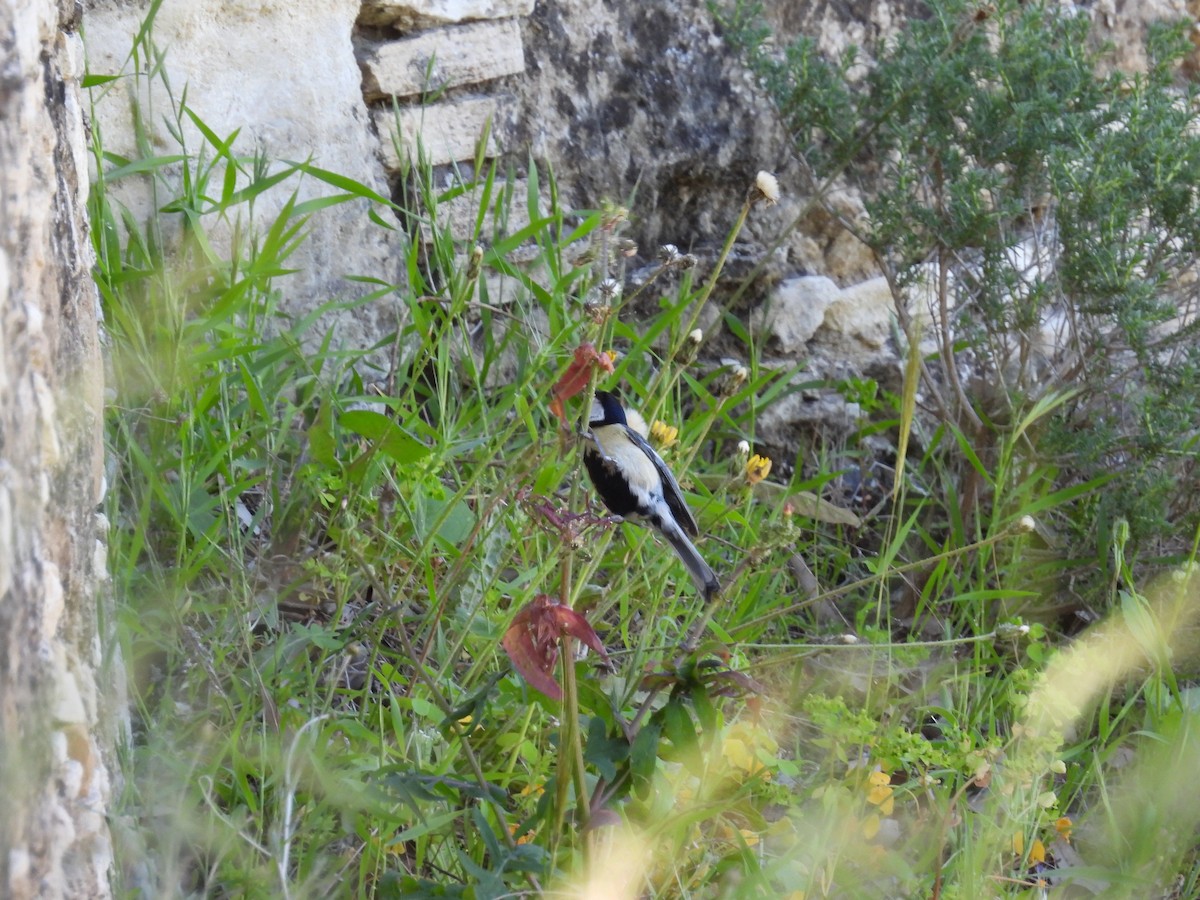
<point>1014,187</point>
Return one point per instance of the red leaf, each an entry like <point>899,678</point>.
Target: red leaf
<point>533,662</point>
<point>532,641</point>
<point>577,376</point>
<point>572,623</point>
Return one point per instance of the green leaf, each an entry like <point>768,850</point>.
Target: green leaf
<point>602,751</point>
<point>643,757</point>
<point>389,437</point>
<point>321,444</point>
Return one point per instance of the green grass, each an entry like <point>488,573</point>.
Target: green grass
<point>322,703</point>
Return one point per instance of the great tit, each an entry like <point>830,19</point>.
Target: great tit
<point>635,483</point>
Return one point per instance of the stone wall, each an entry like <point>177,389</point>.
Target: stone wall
<point>635,103</point>
<point>56,725</point>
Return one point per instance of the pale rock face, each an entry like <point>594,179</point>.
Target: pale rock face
<point>794,311</point>
<point>859,318</point>
<point>285,74</point>
<point>447,131</point>
<point>55,745</point>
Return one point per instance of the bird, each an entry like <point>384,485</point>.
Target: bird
<point>634,483</point>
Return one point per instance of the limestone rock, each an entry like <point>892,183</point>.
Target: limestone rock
<point>55,722</point>
<point>859,320</point>
<point>443,58</point>
<point>416,14</point>
<point>794,312</point>
<point>449,132</point>
<point>642,104</point>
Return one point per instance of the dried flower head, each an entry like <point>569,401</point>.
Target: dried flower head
<point>475,263</point>
<point>690,348</point>
<point>668,254</point>
<point>663,435</point>
<point>733,381</point>
<point>610,290</point>
<point>612,215</point>
<point>757,468</point>
<point>627,247</point>
<point>766,189</point>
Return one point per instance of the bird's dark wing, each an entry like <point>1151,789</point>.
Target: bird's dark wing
<point>672,493</point>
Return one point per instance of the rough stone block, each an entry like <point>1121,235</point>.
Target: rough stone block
<point>444,58</point>
<point>449,131</point>
<point>861,316</point>
<point>412,15</point>
<point>795,311</point>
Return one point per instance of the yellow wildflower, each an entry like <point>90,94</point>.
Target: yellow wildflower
<point>871,825</point>
<point>1063,827</point>
<point>757,468</point>
<point>1037,850</point>
<point>663,435</point>
<point>880,791</point>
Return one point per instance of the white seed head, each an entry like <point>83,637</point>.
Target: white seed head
<point>1026,524</point>
<point>766,186</point>
<point>695,335</point>
<point>743,448</point>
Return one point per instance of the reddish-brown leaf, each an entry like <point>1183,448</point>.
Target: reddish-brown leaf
<point>533,662</point>
<point>571,622</point>
<point>532,641</point>
<point>578,375</point>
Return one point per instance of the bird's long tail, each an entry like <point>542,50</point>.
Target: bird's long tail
<point>705,577</point>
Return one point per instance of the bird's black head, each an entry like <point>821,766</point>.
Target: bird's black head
<point>606,410</point>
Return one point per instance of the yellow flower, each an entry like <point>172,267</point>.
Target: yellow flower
<point>1037,850</point>
<point>757,468</point>
<point>1063,827</point>
<point>871,825</point>
<point>740,748</point>
<point>663,435</point>
<point>879,792</point>
<point>524,838</point>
